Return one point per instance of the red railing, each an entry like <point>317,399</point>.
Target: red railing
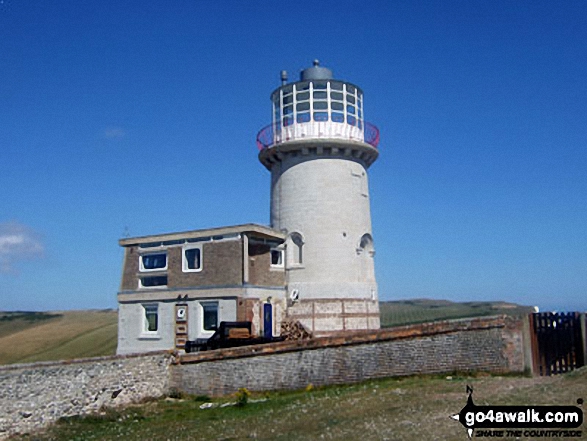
<point>267,139</point>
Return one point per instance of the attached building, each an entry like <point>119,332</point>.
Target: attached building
<point>180,286</point>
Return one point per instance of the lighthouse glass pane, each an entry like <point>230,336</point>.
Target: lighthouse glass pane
<point>302,96</point>
<point>303,117</point>
<point>303,86</point>
<point>337,106</point>
<point>350,109</point>
<point>320,95</point>
<point>350,99</point>
<point>288,121</point>
<point>287,99</point>
<point>287,89</point>
<point>352,120</point>
<point>320,85</point>
<point>303,106</point>
<point>321,105</point>
<point>350,89</point>
<point>336,96</point>
<point>288,110</point>
<point>360,124</point>
<point>320,116</point>
<point>337,117</point>
<point>336,85</point>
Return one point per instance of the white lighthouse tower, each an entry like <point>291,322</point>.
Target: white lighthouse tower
<point>318,149</point>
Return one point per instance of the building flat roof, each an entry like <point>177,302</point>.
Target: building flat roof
<point>258,230</point>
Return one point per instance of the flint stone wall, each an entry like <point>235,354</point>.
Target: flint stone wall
<point>493,344</point>
<point>35,395</point>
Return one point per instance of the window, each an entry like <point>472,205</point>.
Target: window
<point>337,117</point>
<point>277,258</point>
<point>336,96</point>
<point>303,117</point>
<point>210,316</point>
<point>153,262</point>
<point>152,281</point>
<point>320,116</point>
<point>297,245</point>
<point>151,318</point>
<point>192,259</point>
<point>303,106</point>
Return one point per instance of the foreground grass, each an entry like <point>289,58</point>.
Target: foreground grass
<point>29,337</point>
<point>406,409</point>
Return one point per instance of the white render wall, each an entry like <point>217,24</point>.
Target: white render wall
<point>132,339</point>
<point>325,198</point>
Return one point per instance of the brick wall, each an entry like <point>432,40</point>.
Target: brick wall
<point>260,271</point>
<point>34,395</point>
<point>130,269</point>
<point>490,344</point>
<point>221,265</point>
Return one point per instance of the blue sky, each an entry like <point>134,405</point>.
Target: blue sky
<point>141,116</point>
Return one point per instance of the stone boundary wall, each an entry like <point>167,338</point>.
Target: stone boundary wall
<point>37,394</point>
<point>494,344</point>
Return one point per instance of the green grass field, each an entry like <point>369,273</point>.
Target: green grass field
<point>37,336</point>
<point>42,336</point>
<point>405,312</point>
<point>402,409</point>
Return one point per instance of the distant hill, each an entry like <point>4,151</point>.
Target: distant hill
<point>62,335</point>
<point>405,312</point>
<point>40,336</point>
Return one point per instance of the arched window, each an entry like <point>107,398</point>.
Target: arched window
<point>366,244</point>
<point>297,254</point>
<point>366,253</point>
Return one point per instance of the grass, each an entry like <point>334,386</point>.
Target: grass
<point>11,322</point>
<point>406,312</point>
<point>29,337</point>
<point>403,409</point>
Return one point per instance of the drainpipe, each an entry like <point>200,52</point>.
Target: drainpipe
<point>245,259</point>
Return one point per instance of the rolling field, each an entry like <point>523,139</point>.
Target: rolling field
<point>405,312</point>
<point>38,336</point>
<point>43,336</point>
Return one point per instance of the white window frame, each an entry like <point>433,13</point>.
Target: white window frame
<point>184,262</point>
<point>141,286</point>
<point>149,270</point>
<point>202,304</point>
<point>281,251</point>
<point>145,321</point>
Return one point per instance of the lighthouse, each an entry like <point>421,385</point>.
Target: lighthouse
<point>318,149</point>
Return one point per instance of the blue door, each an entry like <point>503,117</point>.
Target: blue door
<point>268,321</point>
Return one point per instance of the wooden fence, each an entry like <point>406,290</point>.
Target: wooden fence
<point>558,342</point>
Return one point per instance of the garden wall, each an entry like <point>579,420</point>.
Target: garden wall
<point>494,344</point>
<point>34,395</point>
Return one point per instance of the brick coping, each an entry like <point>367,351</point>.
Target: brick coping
<point>348,339</point>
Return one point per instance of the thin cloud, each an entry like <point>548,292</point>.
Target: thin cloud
<point>17,243</point>
<point>114,133</point>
